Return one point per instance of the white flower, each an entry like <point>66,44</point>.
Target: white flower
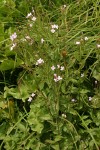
<point>12,47</point>
<point>78,43</point>
<point>54,26</point>
<point>73,100</point>
<point>82,75</point>
<point>33,10</point>
<point>63,115</point>
<point>53,30</point>
<point>39,61</point>
<point>29,99</point>
<point>33,94</point>
<point>62,68</point>
<point>27,37</point>
<point>53,68</point>
<point>33,18</point>
<point>86,38</point>
<point>90,98</point>
<point>57,78</point>
<point>96,81</point>
<point>58,66</point>
<point>98,45</point>
<point>29,15</point>
<point>13,36</point>
<point>31,25</point>
<point>64,6</point>
<point>42,40</point>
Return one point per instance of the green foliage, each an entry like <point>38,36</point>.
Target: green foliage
<point>49,75</point>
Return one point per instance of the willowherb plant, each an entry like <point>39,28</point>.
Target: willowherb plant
<point>54,101</point>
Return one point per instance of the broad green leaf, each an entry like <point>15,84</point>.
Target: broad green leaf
<point>9,64</point>
<point>96,75</point>
<point>21,127</point>
<point>56,146</point>
<point>84,91</point>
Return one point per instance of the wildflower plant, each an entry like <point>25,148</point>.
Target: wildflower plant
<point>50,76</point>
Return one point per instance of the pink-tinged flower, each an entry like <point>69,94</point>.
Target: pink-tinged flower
<point>13,36</point>
<point>86,38</point>
<point>53,30</point>
<point>78,43</point>
<point>39,61</point>
<point>58,66</point>
<point>98,45</point>
<point>12,47</point>
<point>54,26</point>
<point>42,40</point>
<point>33,18</point>
<point>57,78</point>
<point>53,68</point>
<point>90,98</point>
<point>33,94</point>
<point>29,99</point>
<point>29,15</point>
<point>62,68</point>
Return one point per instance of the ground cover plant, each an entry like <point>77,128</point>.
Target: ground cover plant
<point>49,75</point>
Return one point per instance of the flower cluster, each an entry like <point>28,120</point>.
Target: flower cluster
<point>90,98</point>
<point>57,78</point>
<point>58,66</point>
<point>85,38</point>
<point>13,37</point>
<point>31,97</point>
<point>63,115</point>
<point>79,42</point>
<point>53,28</point>
<point>39,61</point>
<point>29,15</point>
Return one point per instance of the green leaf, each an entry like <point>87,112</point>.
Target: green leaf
<point>11,92</point>
<point>96,74</point>
<point>21,93</point>
<point>84,91</point>
<point>56,147</point>
<point>10,64</point>
<point>21,126</point>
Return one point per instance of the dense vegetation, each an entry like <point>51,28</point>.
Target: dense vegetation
<point>49,75</point>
